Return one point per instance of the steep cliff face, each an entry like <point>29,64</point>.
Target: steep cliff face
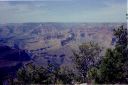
<point>11,60</point>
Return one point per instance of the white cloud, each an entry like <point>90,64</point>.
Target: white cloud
<point>19,12</point>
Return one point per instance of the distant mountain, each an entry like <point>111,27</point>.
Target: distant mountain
<point>25,34</point>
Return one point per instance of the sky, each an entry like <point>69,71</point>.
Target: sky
<point>21,11</point>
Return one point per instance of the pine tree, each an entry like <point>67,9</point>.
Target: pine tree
<point>114,67</point>
<point>87,56</point>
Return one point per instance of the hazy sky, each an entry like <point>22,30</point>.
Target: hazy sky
<point>63,11</point>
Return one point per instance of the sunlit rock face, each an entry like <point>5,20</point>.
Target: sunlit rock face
<point>11,60</point>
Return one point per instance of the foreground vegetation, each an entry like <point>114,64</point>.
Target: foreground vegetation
<point>114,66</point>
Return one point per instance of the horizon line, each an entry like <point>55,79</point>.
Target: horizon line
<point>60,22</point>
